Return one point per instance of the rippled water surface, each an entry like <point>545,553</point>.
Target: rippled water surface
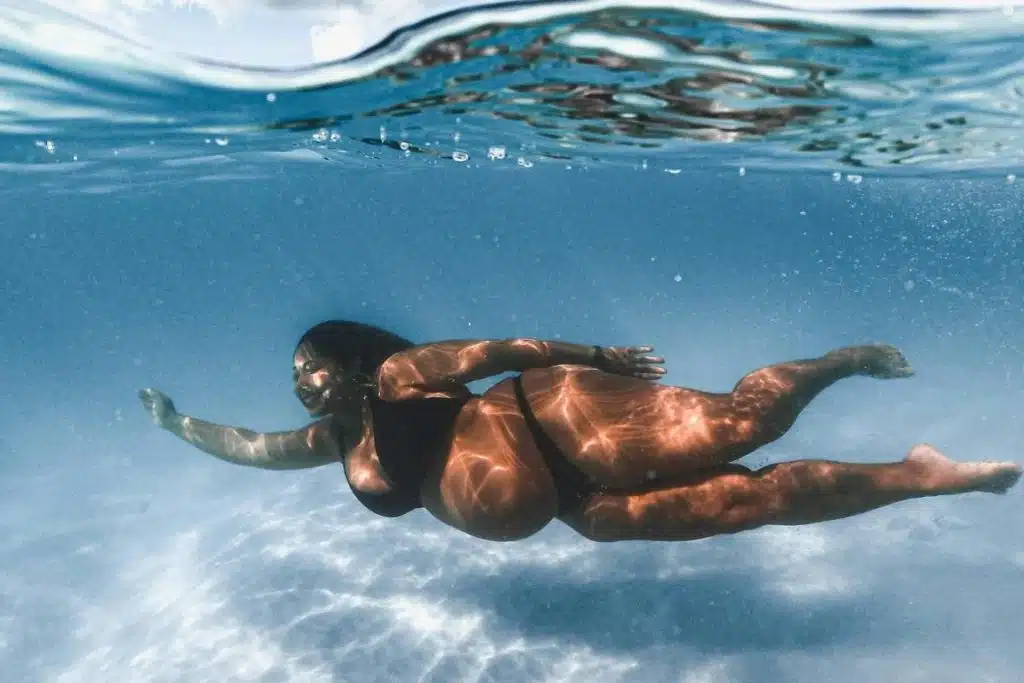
<point>739,85</point>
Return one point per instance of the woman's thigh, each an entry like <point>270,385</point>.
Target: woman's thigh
<point>626,432</point>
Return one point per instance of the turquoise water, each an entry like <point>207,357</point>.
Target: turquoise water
<point>735,183</point>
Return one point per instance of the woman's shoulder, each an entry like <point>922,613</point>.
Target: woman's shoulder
<point>328,435</point>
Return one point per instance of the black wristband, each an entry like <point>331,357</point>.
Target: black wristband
<point>600,362</point>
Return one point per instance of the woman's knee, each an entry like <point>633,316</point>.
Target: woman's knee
<point>601,522</point>
<point>593,532</point>
<point>758,419</point>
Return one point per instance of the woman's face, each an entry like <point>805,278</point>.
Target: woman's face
<point>316,379</point>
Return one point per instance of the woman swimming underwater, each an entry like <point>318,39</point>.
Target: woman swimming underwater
<point>584,434</point>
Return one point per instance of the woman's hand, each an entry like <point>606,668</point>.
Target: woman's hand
<point>632,361</point>
<point>160,407</point>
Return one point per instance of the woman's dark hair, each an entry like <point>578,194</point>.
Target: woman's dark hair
<point>342,340</point>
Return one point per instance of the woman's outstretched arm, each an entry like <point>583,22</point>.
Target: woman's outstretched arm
<point>439,368</point>
<point>310,446</point>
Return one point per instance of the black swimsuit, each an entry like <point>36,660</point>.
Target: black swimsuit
<point>409,436</point>
<point>571,484</point>
<point>415,432</point>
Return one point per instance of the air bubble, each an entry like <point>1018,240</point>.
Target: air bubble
<point>525,163</point>
<point>496,153</point>
<point>460,157</point>
<point>743,171</point>
<point>1011,179</point>
<point>271,97</point>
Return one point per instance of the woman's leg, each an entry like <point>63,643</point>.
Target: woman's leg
<point>771,398</point>
<point>734,499</point>
<point>626,433</point>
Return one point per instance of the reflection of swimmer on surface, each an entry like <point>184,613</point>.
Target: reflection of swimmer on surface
<point>582,434</point>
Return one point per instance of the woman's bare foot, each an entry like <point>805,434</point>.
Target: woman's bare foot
<point>940,474</point>
<point>881,361</point>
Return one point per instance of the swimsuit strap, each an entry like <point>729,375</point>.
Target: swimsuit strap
<point>571,483</point>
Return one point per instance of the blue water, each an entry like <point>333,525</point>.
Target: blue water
<point>165,224</point>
